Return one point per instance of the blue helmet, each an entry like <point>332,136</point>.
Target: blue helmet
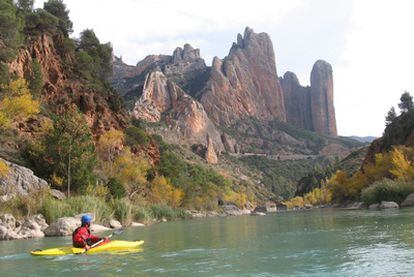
<point>86,219</point>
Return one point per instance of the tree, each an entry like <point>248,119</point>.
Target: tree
<point>406,103</point>
<point>41,21</point>
<point>58,9</point>
<point>109,145</point>
<point>25,6</point>
<point>36,81</point>
<point>391,115</point>
<point>131,171</point>
<point>67,151</point>
<point>17,103</point>
<point>10,26</point>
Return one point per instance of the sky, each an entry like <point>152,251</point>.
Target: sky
<point>370,43</point>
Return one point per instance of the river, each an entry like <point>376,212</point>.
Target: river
<point>310,243</point>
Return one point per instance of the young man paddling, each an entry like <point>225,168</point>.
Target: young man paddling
<point>82,237</point>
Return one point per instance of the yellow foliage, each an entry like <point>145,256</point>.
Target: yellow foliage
<point>319,196</point>
<point>295,202</point>
<point>131,171</point>
<point>56,180</point>
<point>98,190</point>
<point>17,103</point>
<point>4,169</point>
<point>238,198</point>
<point>163,192</point>
<point>109,146</point>
<point>402,169</point>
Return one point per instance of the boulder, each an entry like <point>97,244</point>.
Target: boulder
<point>8,234</point>
<point>30,229</point>
<point>115,224</point>
<point>62,227</point>
<point>374,206</point>
<point>355,206</point>
<point>308,206</point>
<point>233,210</point>
<point>57,194</point>
<point>97,228</point>
<point>409,201</point>
<point>137,224</point>
<point>8,221</point>
<point>258,213</point>
<point>21,180</point>
<point>388,205</point>
<point>268,207</point>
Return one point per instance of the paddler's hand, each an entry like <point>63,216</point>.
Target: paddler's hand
<point>106,239</point>
<point>87,247</point>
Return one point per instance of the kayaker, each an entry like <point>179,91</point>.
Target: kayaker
<point>82,236</point>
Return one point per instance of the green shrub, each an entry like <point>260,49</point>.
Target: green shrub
<point>136,136</point>
<point>122,210</point>
<point>116,188</point>
<point>142,214</point>
<point>387,190</point>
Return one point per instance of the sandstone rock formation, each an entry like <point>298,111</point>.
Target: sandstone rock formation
<point>245,84</point>
<point>323,112</point>
<point>311,108</point>
<point>182,113</point>
<point>210,156</point>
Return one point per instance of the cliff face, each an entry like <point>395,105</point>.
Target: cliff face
<point>60,90</point>
<point>311,108</point>
<point>184,116</point>
<point>297,102</point>
<point>238,96</point>
<point>245,84</point>
<point>323,111</point>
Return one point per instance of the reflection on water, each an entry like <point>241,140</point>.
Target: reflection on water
<point>314,243</point>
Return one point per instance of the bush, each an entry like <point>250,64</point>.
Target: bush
<point>387,190</point>
<point>136,136</point>
<point>122,210</point>
<point>142,214</point>
<point>116,188</point>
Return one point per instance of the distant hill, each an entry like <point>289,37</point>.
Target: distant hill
<point>367,139</point>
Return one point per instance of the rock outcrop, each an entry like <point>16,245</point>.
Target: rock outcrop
<point>184,115</point>
<point>311,108</point>
<point>211,156</point>
<point>20,181</point>
<point>32,227</point>
<point>60,90</point>
<point>245,84</point>
<point>408,201</point>
<point>323,112</point>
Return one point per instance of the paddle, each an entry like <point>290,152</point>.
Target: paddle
<point>116,232</point>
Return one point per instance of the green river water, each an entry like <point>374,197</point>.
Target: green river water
<point>311,243</point>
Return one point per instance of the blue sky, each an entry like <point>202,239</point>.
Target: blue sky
<point>369,43</point>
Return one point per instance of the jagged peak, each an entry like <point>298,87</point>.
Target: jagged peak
<point>322,64</point>
<point>291,77</point>
<point>187,53</point>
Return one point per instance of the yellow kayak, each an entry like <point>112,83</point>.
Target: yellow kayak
<point>112,246</point>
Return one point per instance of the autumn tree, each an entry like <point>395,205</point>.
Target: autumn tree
<point>131,170</point>
<point>163,192</point>
<point>109,145</point>
<point>17,103</point>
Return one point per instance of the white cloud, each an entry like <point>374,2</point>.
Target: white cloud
<point>376,66</point>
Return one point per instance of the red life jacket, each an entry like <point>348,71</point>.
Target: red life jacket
<point>82,236</point>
